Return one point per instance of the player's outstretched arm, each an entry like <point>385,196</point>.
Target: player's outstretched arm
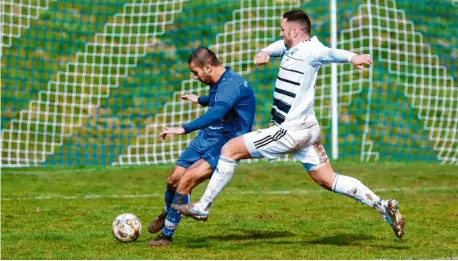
<point>275,49</point>
<point>190,97</point>
<point>170,131</point>
<point>213,115</point>
<point>202,100</point>
<point>261,58</point>
<point>328,55</point>
<point>361,60</point>
<point>227,95</point>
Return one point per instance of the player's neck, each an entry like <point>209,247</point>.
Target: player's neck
<point>219,71</point>
<point>300,40</point>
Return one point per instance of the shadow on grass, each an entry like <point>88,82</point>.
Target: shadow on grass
<point>246,234</point>
<point>284,237</point>
<point>342,239</point>
<point>352,240</point>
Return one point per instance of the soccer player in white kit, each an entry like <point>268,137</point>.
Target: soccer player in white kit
<point>296,128</point>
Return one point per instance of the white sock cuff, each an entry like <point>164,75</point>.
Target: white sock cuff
<point>226,160</point>
<point>334,184</point>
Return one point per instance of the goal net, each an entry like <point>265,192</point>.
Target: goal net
<point>95,83</point>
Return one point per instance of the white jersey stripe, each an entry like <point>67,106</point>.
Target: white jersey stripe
<point>284,92</point>
<point>289,70</point>
<point>284,98</point>
<point>288,81</point>
<point>290,76</point>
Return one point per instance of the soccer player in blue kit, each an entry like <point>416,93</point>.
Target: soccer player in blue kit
<point>232,104</point>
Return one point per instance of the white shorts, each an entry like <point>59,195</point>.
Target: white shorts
<point>304,144</point>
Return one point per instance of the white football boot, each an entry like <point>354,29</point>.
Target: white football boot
<point>389,210</point>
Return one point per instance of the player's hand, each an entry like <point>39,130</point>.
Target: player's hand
<point>190,97</point>
<point>261,58</point>
<point>361,60</point>
<point>172,131</point>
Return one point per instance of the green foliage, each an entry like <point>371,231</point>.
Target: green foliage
<point>253,218</point>
<point>46,47</point>
<point>135,88</point>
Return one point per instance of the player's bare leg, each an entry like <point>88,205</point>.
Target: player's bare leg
<point>192,178</point>
<point>233,150</point>
<point>172,183</point>
<point>325,176</point>
<point>194,175</point>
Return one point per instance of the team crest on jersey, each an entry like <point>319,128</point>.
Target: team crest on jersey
<point>291,51</point>
<point>289,62</point>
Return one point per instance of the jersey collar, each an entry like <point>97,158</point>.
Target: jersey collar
<point>221,79</point>
<point>295,48</point>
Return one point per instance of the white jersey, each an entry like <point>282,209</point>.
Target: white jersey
<point>294,93</point>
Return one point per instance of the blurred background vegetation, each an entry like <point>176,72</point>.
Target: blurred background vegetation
<point>139,79</point>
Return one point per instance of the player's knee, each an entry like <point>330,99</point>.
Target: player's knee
<point>172,182</point>
<point>325,184</point>
<point>322,180</point>
<point>188,178</point>
<point>323,175</point>
<point>227,151</point>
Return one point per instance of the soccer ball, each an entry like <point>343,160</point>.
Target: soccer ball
<point>127,227</point>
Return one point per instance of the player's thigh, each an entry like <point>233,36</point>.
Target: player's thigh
<point>190,155</point>
<point>236,149</point>
<point>212,154</point>
<point>194,175</point>
<point>310,151</point>
<point>187,158</point>
<point>205,165</point>
<point>268,143</point>
<point>314,158</point>
<point>323,175</point>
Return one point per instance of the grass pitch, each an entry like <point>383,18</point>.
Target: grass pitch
<point>268,211</point>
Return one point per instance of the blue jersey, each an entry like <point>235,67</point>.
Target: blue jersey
<point>231,105</point>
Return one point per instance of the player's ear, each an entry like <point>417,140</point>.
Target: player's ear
<point>295,32</point>
<point>208,68</point>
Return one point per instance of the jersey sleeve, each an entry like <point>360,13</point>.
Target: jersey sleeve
<point>275,49</point>
<point>228,94</point>
<point>327,55</point>
<point>204,100</point>
<point>212,116</point>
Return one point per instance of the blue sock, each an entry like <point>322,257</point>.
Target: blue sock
<point>173,217</point>
<point>168,198</point>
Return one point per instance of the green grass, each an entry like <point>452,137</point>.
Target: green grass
<point>247,221</point>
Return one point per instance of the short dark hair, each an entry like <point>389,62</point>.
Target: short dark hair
<point>299,17</point>
<point>202,56</point>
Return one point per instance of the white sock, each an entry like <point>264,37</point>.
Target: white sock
<point>220,178</point>
<point>353,188</point>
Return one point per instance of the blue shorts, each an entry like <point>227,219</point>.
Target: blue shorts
<point>203,146</point>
